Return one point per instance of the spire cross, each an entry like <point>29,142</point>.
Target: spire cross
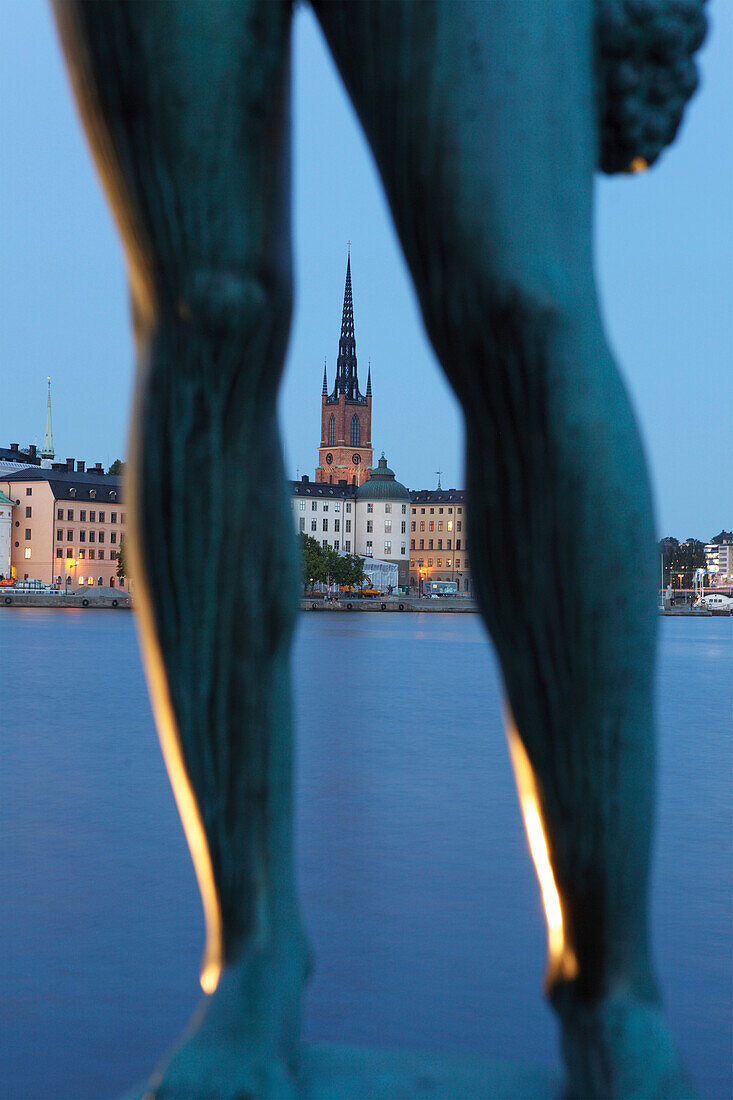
<point>439,472</point>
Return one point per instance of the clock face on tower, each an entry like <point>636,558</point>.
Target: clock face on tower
<point>356,459</point>
<point>329,458</point>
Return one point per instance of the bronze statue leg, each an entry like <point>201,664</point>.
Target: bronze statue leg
<point>482,121</point>
<point>186,107</point>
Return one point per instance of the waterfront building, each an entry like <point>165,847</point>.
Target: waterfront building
<point>382,518</point>
<point>6,529</point>
<point>326,512</point>
<point>68,524</point>
<point>345,452</point>
<point>719,559</point>
<point>438,539</point>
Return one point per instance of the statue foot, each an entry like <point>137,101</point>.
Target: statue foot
<point>620,1049</point>
<point>241,1044</point>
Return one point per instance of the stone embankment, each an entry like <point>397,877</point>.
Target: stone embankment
<point>118,600</point>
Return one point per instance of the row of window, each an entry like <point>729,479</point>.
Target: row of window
<point>450,563</point>
<point>431,525</point>
<point>83,515</point>
<point>459,511</point>
<point>97,555</point>
<point>387,526</point>
<point>94,536</point>
<point>430,545</point>
<point>355,431</point>
<point>90,580</point>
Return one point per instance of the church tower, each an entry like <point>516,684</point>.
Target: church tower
<point>345,453</point>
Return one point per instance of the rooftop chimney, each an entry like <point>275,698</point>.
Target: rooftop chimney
<point>70,464</point>
<point>97,468</point>
<point>32,450</point>
<point>14,446</point>
<point>305,478</point>
<point>80,467</point>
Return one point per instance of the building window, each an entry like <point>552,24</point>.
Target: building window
<point>404,509</point>
<point>91,555</point>
<point>301,505</point>
<point>412,544</point>
<point>422,524</point>
<point>336,544</point>
<point>83,515</point>
<point>458,544</point>
<point>59,513</point>
<point>70,514</point>
<point>388,546</point>
<point>101,517</point>
<point>113,536</point>
<point>332,431</point>
<point>69,536</point>
<point>369,548</point>
<point>440,544</point>
<point>370,507</point>
<point>432,511</point>
<point>314,506</point>
<point>59,552</point>
<point>422,544</point>
<point>450,525</point>
<point>448,562</point>
<point>325,524</point>
<point>348,525</point>
<point>459,511</point>
<point>113,517</point>
<point>403,548</point>
<point>337,525</point>
<point>458,525</point>
<point>92,536</point>
<point>324,544</point>
<point>325,507</point>
<point>440,563</point>
<point>355,431</point>
<point>348,506</point>
<point>92,493</point>
<point>347,546</point>
<point>69,552</point>
<point>100,554</point>
<point>101,537</point>
<point>450,511</point>
<point>337,506</point>
<point>431,525</point>
<point>314,525</point>
<point>82,536</point>
<point>370,525</point>
<point>404,527</point>
<point>447,544</point>
<point>412,525</point>
<point>458,563</point>
<point>422,511</point>
<point>301,522</point>
<point>440,511</point>
<point>92,517</point>
<point>388,508</point>
<point>29,492</point>
<point>27,532</point>
<point>430,544</point>
<point>440,523</point>
<point>28,512</point>
<point>388,526</point>
<point>430,563</point>
<point>82,554</point>
<point>27,551</point>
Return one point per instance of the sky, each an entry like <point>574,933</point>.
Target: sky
<point>664,257</point>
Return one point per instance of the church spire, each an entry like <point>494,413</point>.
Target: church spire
<point>324,391</point>
<point>369,380</point>
<point>48,453</point>
<point>347,381</point>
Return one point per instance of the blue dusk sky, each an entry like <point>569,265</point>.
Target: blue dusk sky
<point>664,248</point>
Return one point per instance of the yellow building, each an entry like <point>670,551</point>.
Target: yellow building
<point>438,539</point>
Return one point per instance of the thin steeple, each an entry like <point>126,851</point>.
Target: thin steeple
<point>369,380</point>
<point>324,391</point>
<point>347,381</point>
<point>48,451</point>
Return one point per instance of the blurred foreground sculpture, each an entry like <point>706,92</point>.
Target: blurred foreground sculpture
<point>487,121</point>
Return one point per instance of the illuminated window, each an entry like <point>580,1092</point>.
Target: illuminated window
<point>458,563</point>
<point>431,525</point>
<point>440,563</point>
<point>90,580</point>
<point>81,580</point>
<point>82,554</point>
<point>448,562</point>
<point>422,524</point>
<point>430,563</point>
<point>27,551</point>
<point>450,525</point>
<point>440,523</point>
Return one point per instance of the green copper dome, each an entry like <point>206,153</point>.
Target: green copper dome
<point>382,485</point>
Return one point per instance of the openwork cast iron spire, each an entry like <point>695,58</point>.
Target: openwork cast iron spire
<point>347,381</point>
<point>48,451</point>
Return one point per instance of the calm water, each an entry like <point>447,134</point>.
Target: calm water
<point>419,895</point>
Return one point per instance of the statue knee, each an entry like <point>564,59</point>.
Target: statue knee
<point>237,301</point>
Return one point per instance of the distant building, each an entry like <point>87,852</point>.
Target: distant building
<point>68,524</point>
<point>326,512</point>
<point>438,540</point>
<point>6,531</point>
<point>345,453</point>
<point>719,559</point>
<point>13,459</point>
<point>382,518</point>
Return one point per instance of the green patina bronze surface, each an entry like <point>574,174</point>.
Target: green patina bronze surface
<point>487,121</point>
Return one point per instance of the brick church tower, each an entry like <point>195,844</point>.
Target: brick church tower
<point>345,453</point>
